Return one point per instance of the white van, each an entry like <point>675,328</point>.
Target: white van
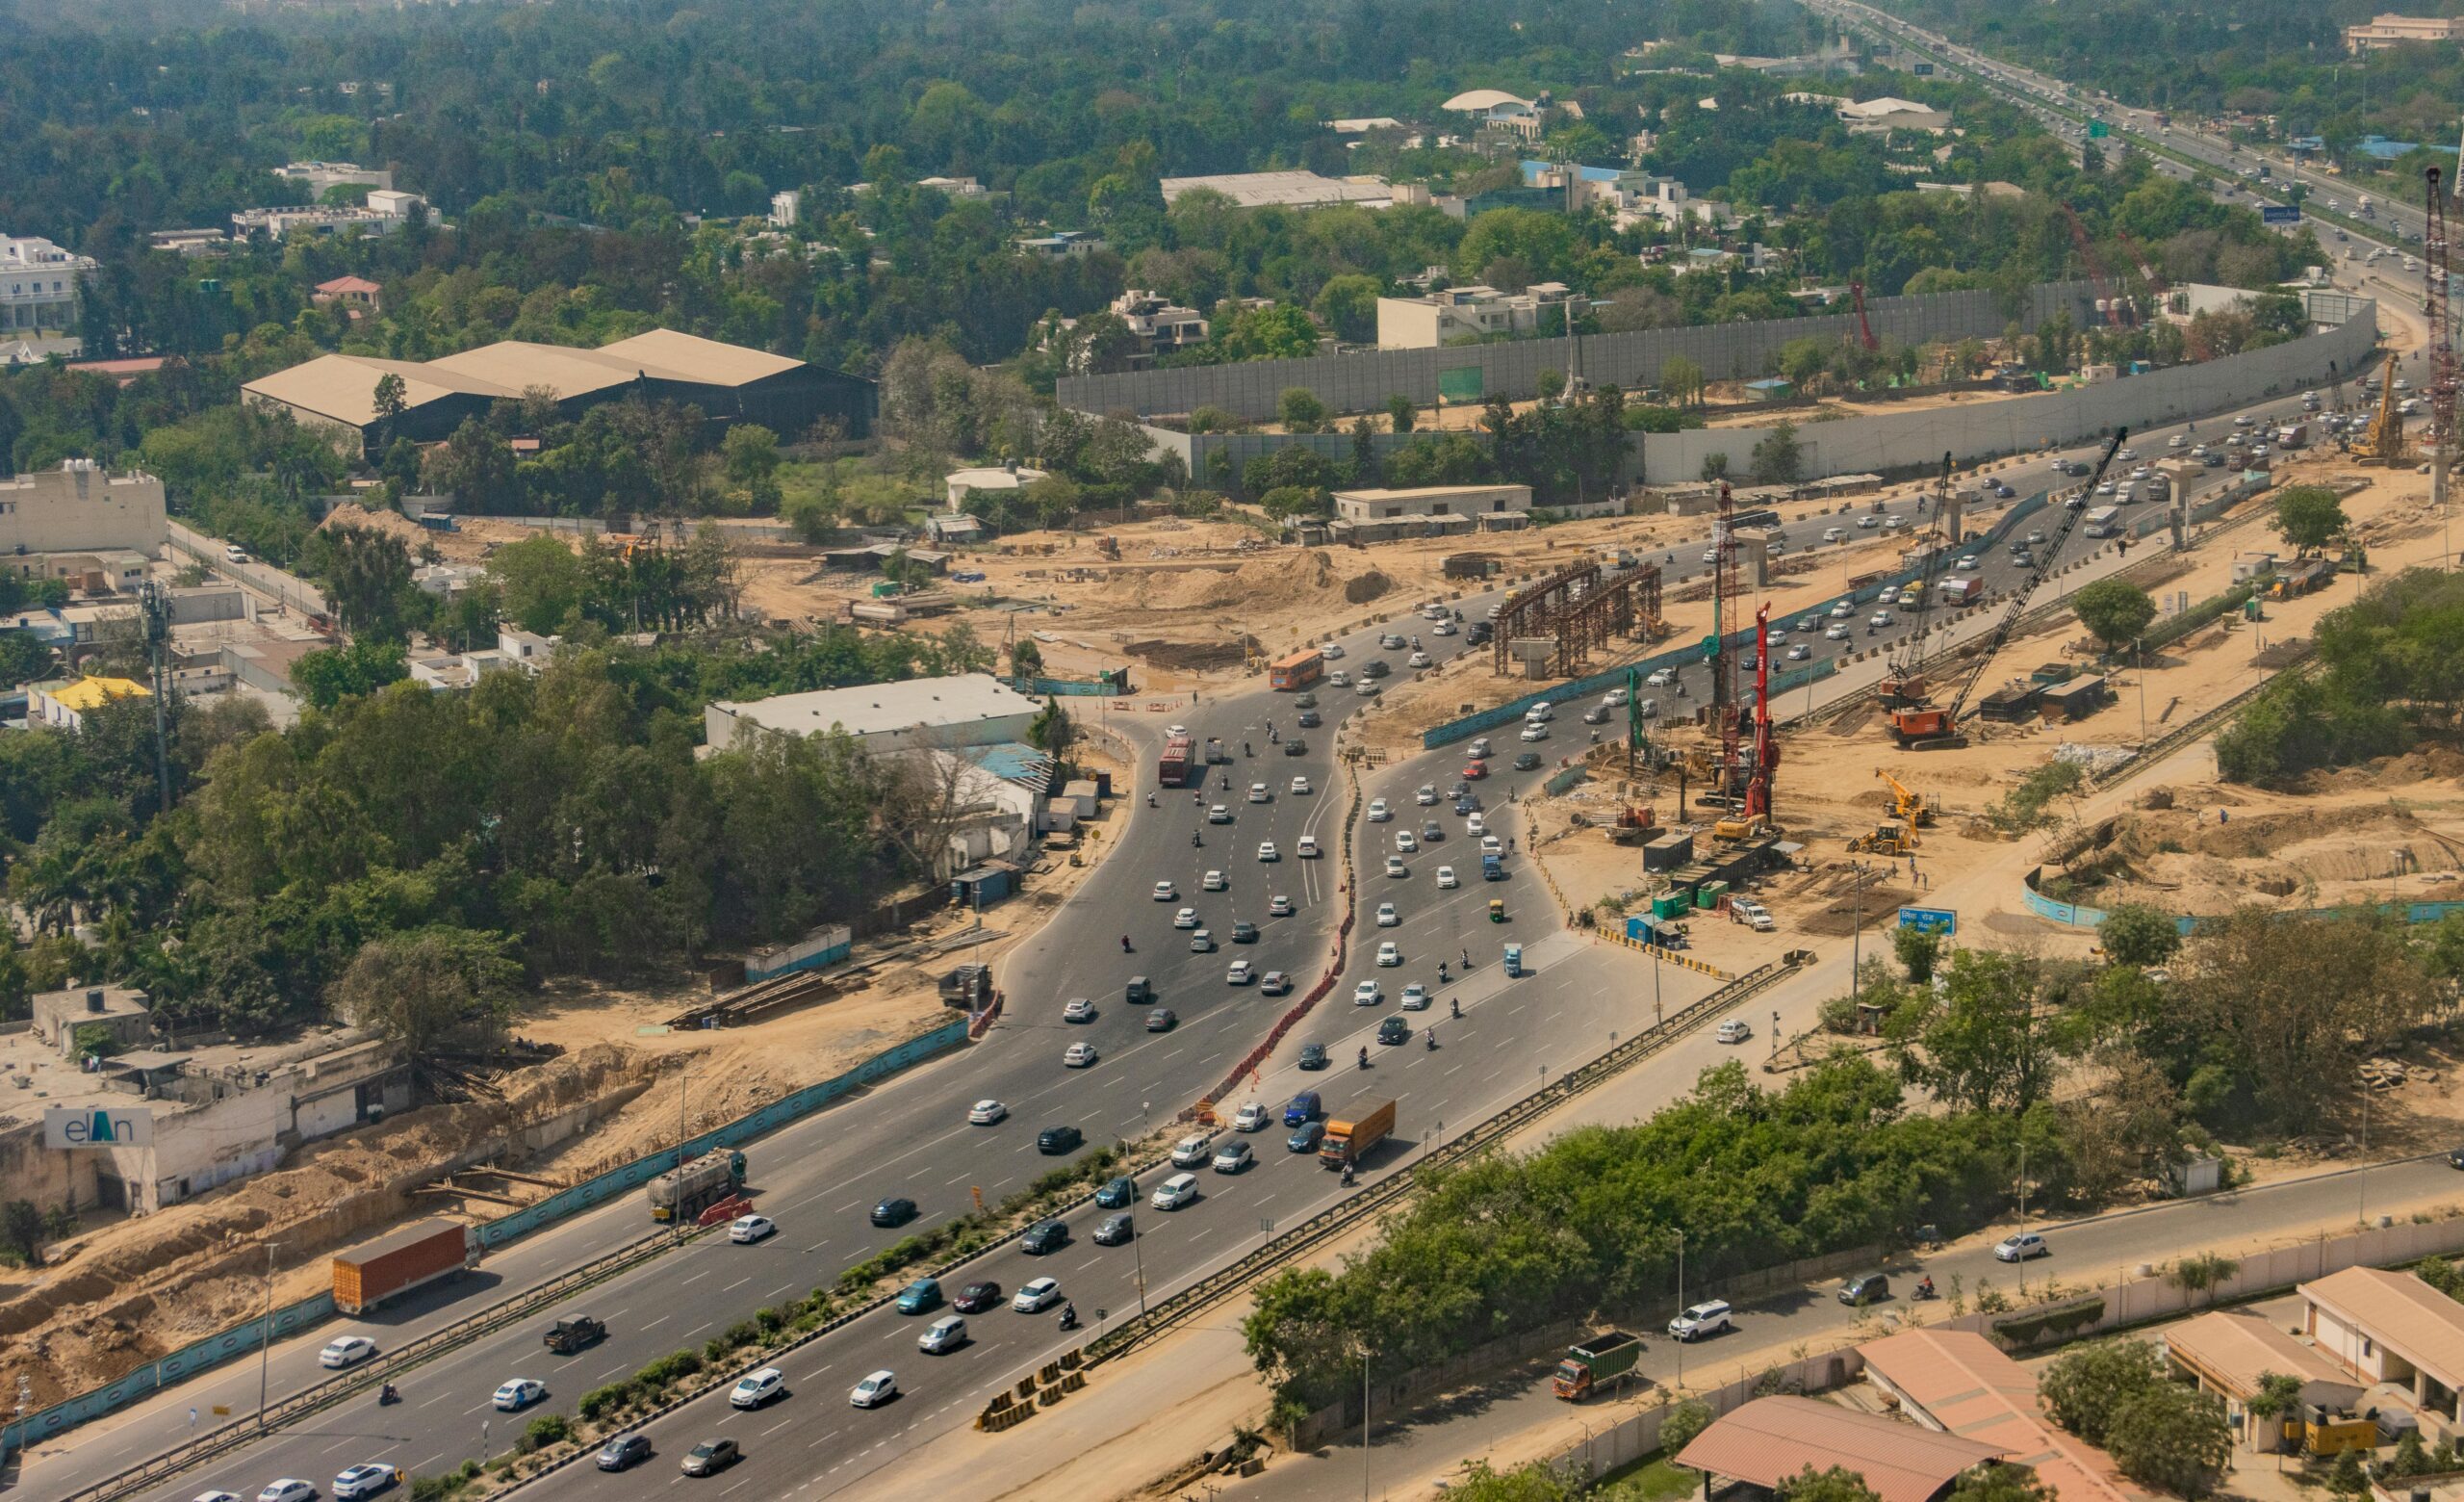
<point>1615,699</point>
<point>1540,713</point>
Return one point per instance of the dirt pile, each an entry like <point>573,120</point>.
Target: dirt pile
<point>391,523</point>
<point>1279,581</point>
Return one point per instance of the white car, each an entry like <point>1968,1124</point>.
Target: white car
<point>878,1388</point>
<point>366,1480</point>
<point>1387,917</point>
<point>1034,1295</point>
<point>347,1351</point>
<point>1710,1317</point>
<point>1417,660</point>
<point>1969,563</point>
<point>1426,796</point>
<point>1301,785</point>
<point>1339,678</point>
<point>1388,956</point>
<point>1186,917</point>
<point>1174,1191</point>
<point>756,1388</point>
<point>1446,881</point>
<point>1367,994</point>
<point>1079,1010</point>
<point>1661,677</point>
<point>1837,631</point>
<point>1218,814</point>
<point>1259,792</point>
<point>1735,1031</point>
<point>287,1489</point>
<point>1835,533</point>
<point>1415,998</point>
<point>1442,629</point>
<point>1378,811</point>
<point>1491,844</point>
<point>1213,882</point>
<point>1474,825</point>
<point>1078,1055</point>
<point>1542,710</point>
<point>1234,1156</point>
<point>2022,1247</point>
<point>1193,1150</point>
<point>1331,651</point>
<point>1879,619</point>
<point>1395,866</point>
<point>1370,689</point>
<point>517,1393</point>
<point>1868,523</point>
<point>1253,1117</point>
<point>1406,841</point>
<point>1201,940</point>
<point>1239,973</point>
<point>1534,731</point>
<point>1843,609</point>
<point>1616,698</point>
<point>1798,652</point>
<point>1267,852</point>
<point>1307,848</point>
<point>983,1113</point>
<point>746,1229</point>
<point>944,1335</point>
<point>1166,891</point>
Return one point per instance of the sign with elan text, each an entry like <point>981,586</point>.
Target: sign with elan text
<point>70,1127</point>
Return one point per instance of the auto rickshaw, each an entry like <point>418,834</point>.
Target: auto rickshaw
<point>1497,910</point>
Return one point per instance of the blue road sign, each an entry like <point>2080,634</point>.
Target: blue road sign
<point>1930,921</point>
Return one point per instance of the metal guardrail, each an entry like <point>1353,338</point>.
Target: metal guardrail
<point>1326,1224</point>
<point>325,1394</point>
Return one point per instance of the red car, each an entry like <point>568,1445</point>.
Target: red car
<point>1474,771</point>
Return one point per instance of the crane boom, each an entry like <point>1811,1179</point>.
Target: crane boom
<point>1864,329</point>
<point>1905,681</point>
<point>1926,725</point>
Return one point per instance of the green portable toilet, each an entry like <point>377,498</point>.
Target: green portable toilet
<point>1707,895</point>
<point>1672,906</point>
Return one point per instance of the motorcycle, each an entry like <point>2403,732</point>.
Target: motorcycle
<point>1364,1058</point>
<point>1458,1006</point>
<point>1070,1316</point>
<point>1442,976</point>
<point>1150,800</point>
<point>1244,749</point>
<point>1431,1039</point>
<point>1347,1176</point>
<point>386,1394</point>
<point>1925,1290</point>
<point>1196,838</point>
<point>1124,943</point>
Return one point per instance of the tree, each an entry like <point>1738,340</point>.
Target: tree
<point>1776,456</point>
<point>368,576</point>
<point>24,659</point>
<point>1680,381</point>
<point>1053,732</point>
<point>748,456</point>
<point>2309,517</point>
<point>1026,659</point>
<point>1688,1417</point>
<point>1838,1484</point>
<point>2277,1395</point>
<point>2000,1483</point>
<point>1916,951</point>
<point>1348,305</point>
<point>541,582</point>
<point>21,1230</point>
<point>2139,936</point>
<point>1300,410</point>
<point>390,403</point>
<point>2086,1388</point>
<point>2114,611</point>
<point>2204,1273</point>
<point>1981,1045</point>
<point>355,670</point>
<point>2175,1437</point>
<point>2347,1482</point>
<point>1399,415</point>
<point>1286,502</point>
<point>431,989</point>
<point>1715,467</point>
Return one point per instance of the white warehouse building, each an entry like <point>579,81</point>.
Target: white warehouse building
<point>921,714</point>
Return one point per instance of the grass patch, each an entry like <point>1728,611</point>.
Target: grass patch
<point>1651,1479</point>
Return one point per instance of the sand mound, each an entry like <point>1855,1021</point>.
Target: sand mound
<point>1263,584</point>
<point>392,523</point>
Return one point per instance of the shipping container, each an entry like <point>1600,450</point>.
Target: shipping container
<point>393,1264</point>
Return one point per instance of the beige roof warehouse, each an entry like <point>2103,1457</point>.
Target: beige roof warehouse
<point>1770,1440</point>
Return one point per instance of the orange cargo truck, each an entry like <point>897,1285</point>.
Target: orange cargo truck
<point>396,1263</point>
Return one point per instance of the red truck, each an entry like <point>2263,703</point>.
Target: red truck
<point>418,1253</point>
<point>1172,768</point>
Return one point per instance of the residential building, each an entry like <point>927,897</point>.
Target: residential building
<point>62,705</point>
<point>2229,1351</point>
<point>386,212</point>
<point>1462,314</point>
<point>2390,1327</point>
<point>2381,32</point>
<point>1493,109</point>
<point>728,384</point>
<point>319,176</point>
<point>993,792</point>
<point>955,187</point>
<point>1377,505</point>
<point>1283,190</point>
<point>1064,245</point>
<point>786,208</point>
<point>1956,1382</point>
<point>920,713</point>
<point>358,294</point>
<point>1880,117</point>
<point>526,650</point>
<point>189,241</point>
<point>75,509</point>
<point>958,483</point>
<point>1362,125</point>
<point>448,670</point>
<point>1766,1442</point>
<point>119,1017</point>
<point>948,530</point>
<point>39,286</point>
<point>1165,325</point>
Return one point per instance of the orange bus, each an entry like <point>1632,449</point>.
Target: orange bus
<point>1297,671</point>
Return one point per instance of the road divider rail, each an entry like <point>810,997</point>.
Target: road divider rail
<point>1669,955</point>
<point>1389,1190</point>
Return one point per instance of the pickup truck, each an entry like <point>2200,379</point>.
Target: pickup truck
<point>567,1336</point>
<point>1754,914</point>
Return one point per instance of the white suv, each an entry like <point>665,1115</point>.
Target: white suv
<point>1710,1317</point>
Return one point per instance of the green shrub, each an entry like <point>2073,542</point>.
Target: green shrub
<point>548,1429</point>
<point>599,1402</point>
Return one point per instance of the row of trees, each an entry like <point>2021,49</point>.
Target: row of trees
<point>2387,677</point>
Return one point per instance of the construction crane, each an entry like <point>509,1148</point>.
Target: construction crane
<point>1864,329</point>
<point>2109,298</point>
<point>2382,444</point>
<point>1903,681</point>
<point>1754,809</point>
<point>1725,587</point>
<point>2148,273</point>
<point>1906,802</point>
<point>2442,340</point>
<point>1925,727</point>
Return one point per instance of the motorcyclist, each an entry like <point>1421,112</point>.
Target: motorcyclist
<point>1347,1176</point>
<point>1244,749</point>
<point>1467,960</point>
<point>1364,1058</point>
<point>1070,1316</point>
<point>387,1394</point>
<point>1429,1038</point>
<point>1150,800</point>
<point>1441,971</point>
<point>1458,1004</point>
<point>1124,943</point>
<point>1196,839</point>
<point>1227,782</point>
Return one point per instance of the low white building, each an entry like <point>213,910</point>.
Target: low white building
<point>1879,117</point>
<point>1455,314</point>
<point>786,208</point>
<point>387,212</point>
<point>1379,506</point>
<point>79,509</point>
<point>1283,190</point>
<point>958,484</point>
<point>1493,109</point>
<point>920,713</point>
<point>39,285</point>
<point>319,176</point>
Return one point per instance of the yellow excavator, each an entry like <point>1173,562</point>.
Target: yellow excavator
<point>1896,835</point>
<point>1904,801</point>
<point>2382,445</point>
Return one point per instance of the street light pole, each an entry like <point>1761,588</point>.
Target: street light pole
<point>264,1341</point>
<point>1681,1303</point>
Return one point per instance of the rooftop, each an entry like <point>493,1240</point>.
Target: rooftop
<point>2234,1350</point>
<point>1770,1440</point>
<point>92,694</point>
<point>1292,189</point>
<point>2401,1312</point>
<point>880,709</point>
<point>1966,1384</point>
<point>1482,100</point>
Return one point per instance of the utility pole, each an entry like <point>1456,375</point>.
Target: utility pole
<point>157,609</point>
<point>264,1341</point>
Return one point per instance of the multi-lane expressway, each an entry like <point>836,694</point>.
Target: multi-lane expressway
<point>819,1177</point>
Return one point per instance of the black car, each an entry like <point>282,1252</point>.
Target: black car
<point>1526,761</point>
<point>1245,932</point>
<point>1313,1055</point>
<point>1046,1235</point>
<point>1867,1288</point>
<point>1466,804</point>
<point>1053,1141</point>
<point>1310,719</point>
<point>893,1211</point>
<point>1298,745</point>
<point>1431,831</point>
<point>623,1451</point>
<point>1395,1029</point>
<point>711,1457</point>
<point>1373,668</point>
<point>1162,1019</point>
<point>1117,1193</point>
<point>977,1297</point>
<point>1116,1231</point>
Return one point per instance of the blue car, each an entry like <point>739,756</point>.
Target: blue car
<point>1306,1139</point>
<point>1304,1107</point>
<point>920,1297</point>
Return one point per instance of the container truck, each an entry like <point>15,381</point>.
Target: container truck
<point>1347,1142</point>
<point>694,1187</point>
<point>1961,591</point>
<point>2293,435</point>
<point>393,1264</point>
<point>1173,765</point>
<point>1595,1361</point>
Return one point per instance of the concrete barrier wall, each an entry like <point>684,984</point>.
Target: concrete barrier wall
<point>1363,382</point>
<point>2078,915</point>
